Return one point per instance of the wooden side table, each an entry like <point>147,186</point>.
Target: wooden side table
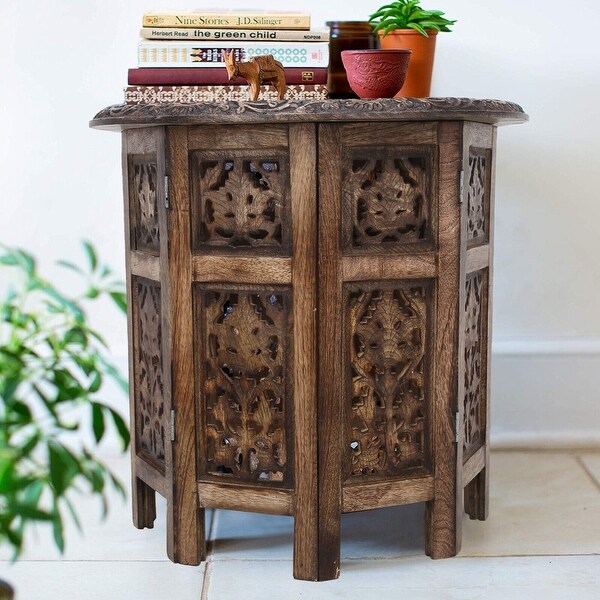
<point>309,312</point>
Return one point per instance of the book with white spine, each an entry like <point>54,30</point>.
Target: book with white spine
<point>228,19</point>
<point>210,54</point>
<point>250,35</point>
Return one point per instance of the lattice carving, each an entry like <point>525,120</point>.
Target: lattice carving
<point>389,199</point>
<point>151,418</point>
<point>144,205</point>
<point>388,363</point>
<point>474,398</point>
<point>477,197</point>
<point>244,383</point>
<point>242,202</point>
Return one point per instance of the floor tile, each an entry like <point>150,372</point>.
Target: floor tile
<point>591,464</point>
<point>115,580</point>
<point>251,535</point>
<point>114,538</point>
<point>540,503</point>
<point>526,578</point>
<point>385,533</point>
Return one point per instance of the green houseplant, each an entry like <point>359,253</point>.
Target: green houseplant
<point>405,24</point>
<point>53,364</point>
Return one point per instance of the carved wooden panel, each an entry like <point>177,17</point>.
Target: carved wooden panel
<point>151,420</point>
<point>387,198</point>
<point>244,386</point>
<point>240,201</point>
<point>143,203</point>
<point>478,196</point>
<point>387,339</point>
<point>475,362</point>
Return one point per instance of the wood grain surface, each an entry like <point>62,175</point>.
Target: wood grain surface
<point>185,520</point>
<point>330,355</point>
<point>303,180</point>
<point>309,315</point>
<point>441,522</point>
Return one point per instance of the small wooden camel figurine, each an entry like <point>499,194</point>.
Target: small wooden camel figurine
<point>257,71</point>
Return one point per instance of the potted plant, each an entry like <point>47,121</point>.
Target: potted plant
<point>52,366</point>
<point>405,24</point>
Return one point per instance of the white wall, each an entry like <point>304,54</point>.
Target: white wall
<point>61,61</point>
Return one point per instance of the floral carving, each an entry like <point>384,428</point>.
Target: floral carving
<point>244,383</point>
<point>144,203</point>
<point>149,374</point>
<point>389,199</point>
<point>388,341</point>
<point>242,202</point>
<point>474,398</point>
<point>477,201</point>
<point>385,109</point>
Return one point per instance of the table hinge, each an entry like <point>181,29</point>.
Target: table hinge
<point>172,425</point>
<point>456,426</point>
<point>167,205</point>
<point>461,186</point>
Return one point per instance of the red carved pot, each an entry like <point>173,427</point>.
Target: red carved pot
<point>376,73</point>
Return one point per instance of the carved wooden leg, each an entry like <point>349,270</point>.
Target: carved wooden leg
<point>304,231</point>
<point>443,532</point>
<point>442,535</point>
<point>143,503</point>
<point>186,540</point>
<point>331,366</point>
<point>476,496</point>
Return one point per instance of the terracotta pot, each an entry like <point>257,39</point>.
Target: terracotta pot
<point>418,79</point>
<point>376,73</point>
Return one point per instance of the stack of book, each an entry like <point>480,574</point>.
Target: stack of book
<point>181,56</point>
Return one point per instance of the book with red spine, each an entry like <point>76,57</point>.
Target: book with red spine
<point>215,76</point>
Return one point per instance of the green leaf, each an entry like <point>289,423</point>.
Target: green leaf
<point>117,485</point>
<point>418,28</point>
<point>62,301</point>
<point>115,375</point>
<point>69,265</point>
<point>33,513</point>
<point>120,299</point>
<point>64,467</point>
<point>73,513</point>
<point>98,421</point>
<point>10,260</point>
<point>76,335</point>
<point>96,382</point>
<point>91,254</point>
<point>33,493</point>
<point>58,530</point>
<point>122,428</point>
<point>22,411</point>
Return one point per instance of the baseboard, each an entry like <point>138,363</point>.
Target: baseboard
<point>545,394</point>
<point>547,441</point>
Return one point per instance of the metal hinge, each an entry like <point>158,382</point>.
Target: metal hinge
<point>167,205</point>
<point>172,425</point>
<point>456,426</point>
<point>461,186</point>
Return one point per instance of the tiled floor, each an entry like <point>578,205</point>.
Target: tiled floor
<point>542,541</point>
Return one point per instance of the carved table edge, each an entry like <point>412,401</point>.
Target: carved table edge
<point>497,112</point>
